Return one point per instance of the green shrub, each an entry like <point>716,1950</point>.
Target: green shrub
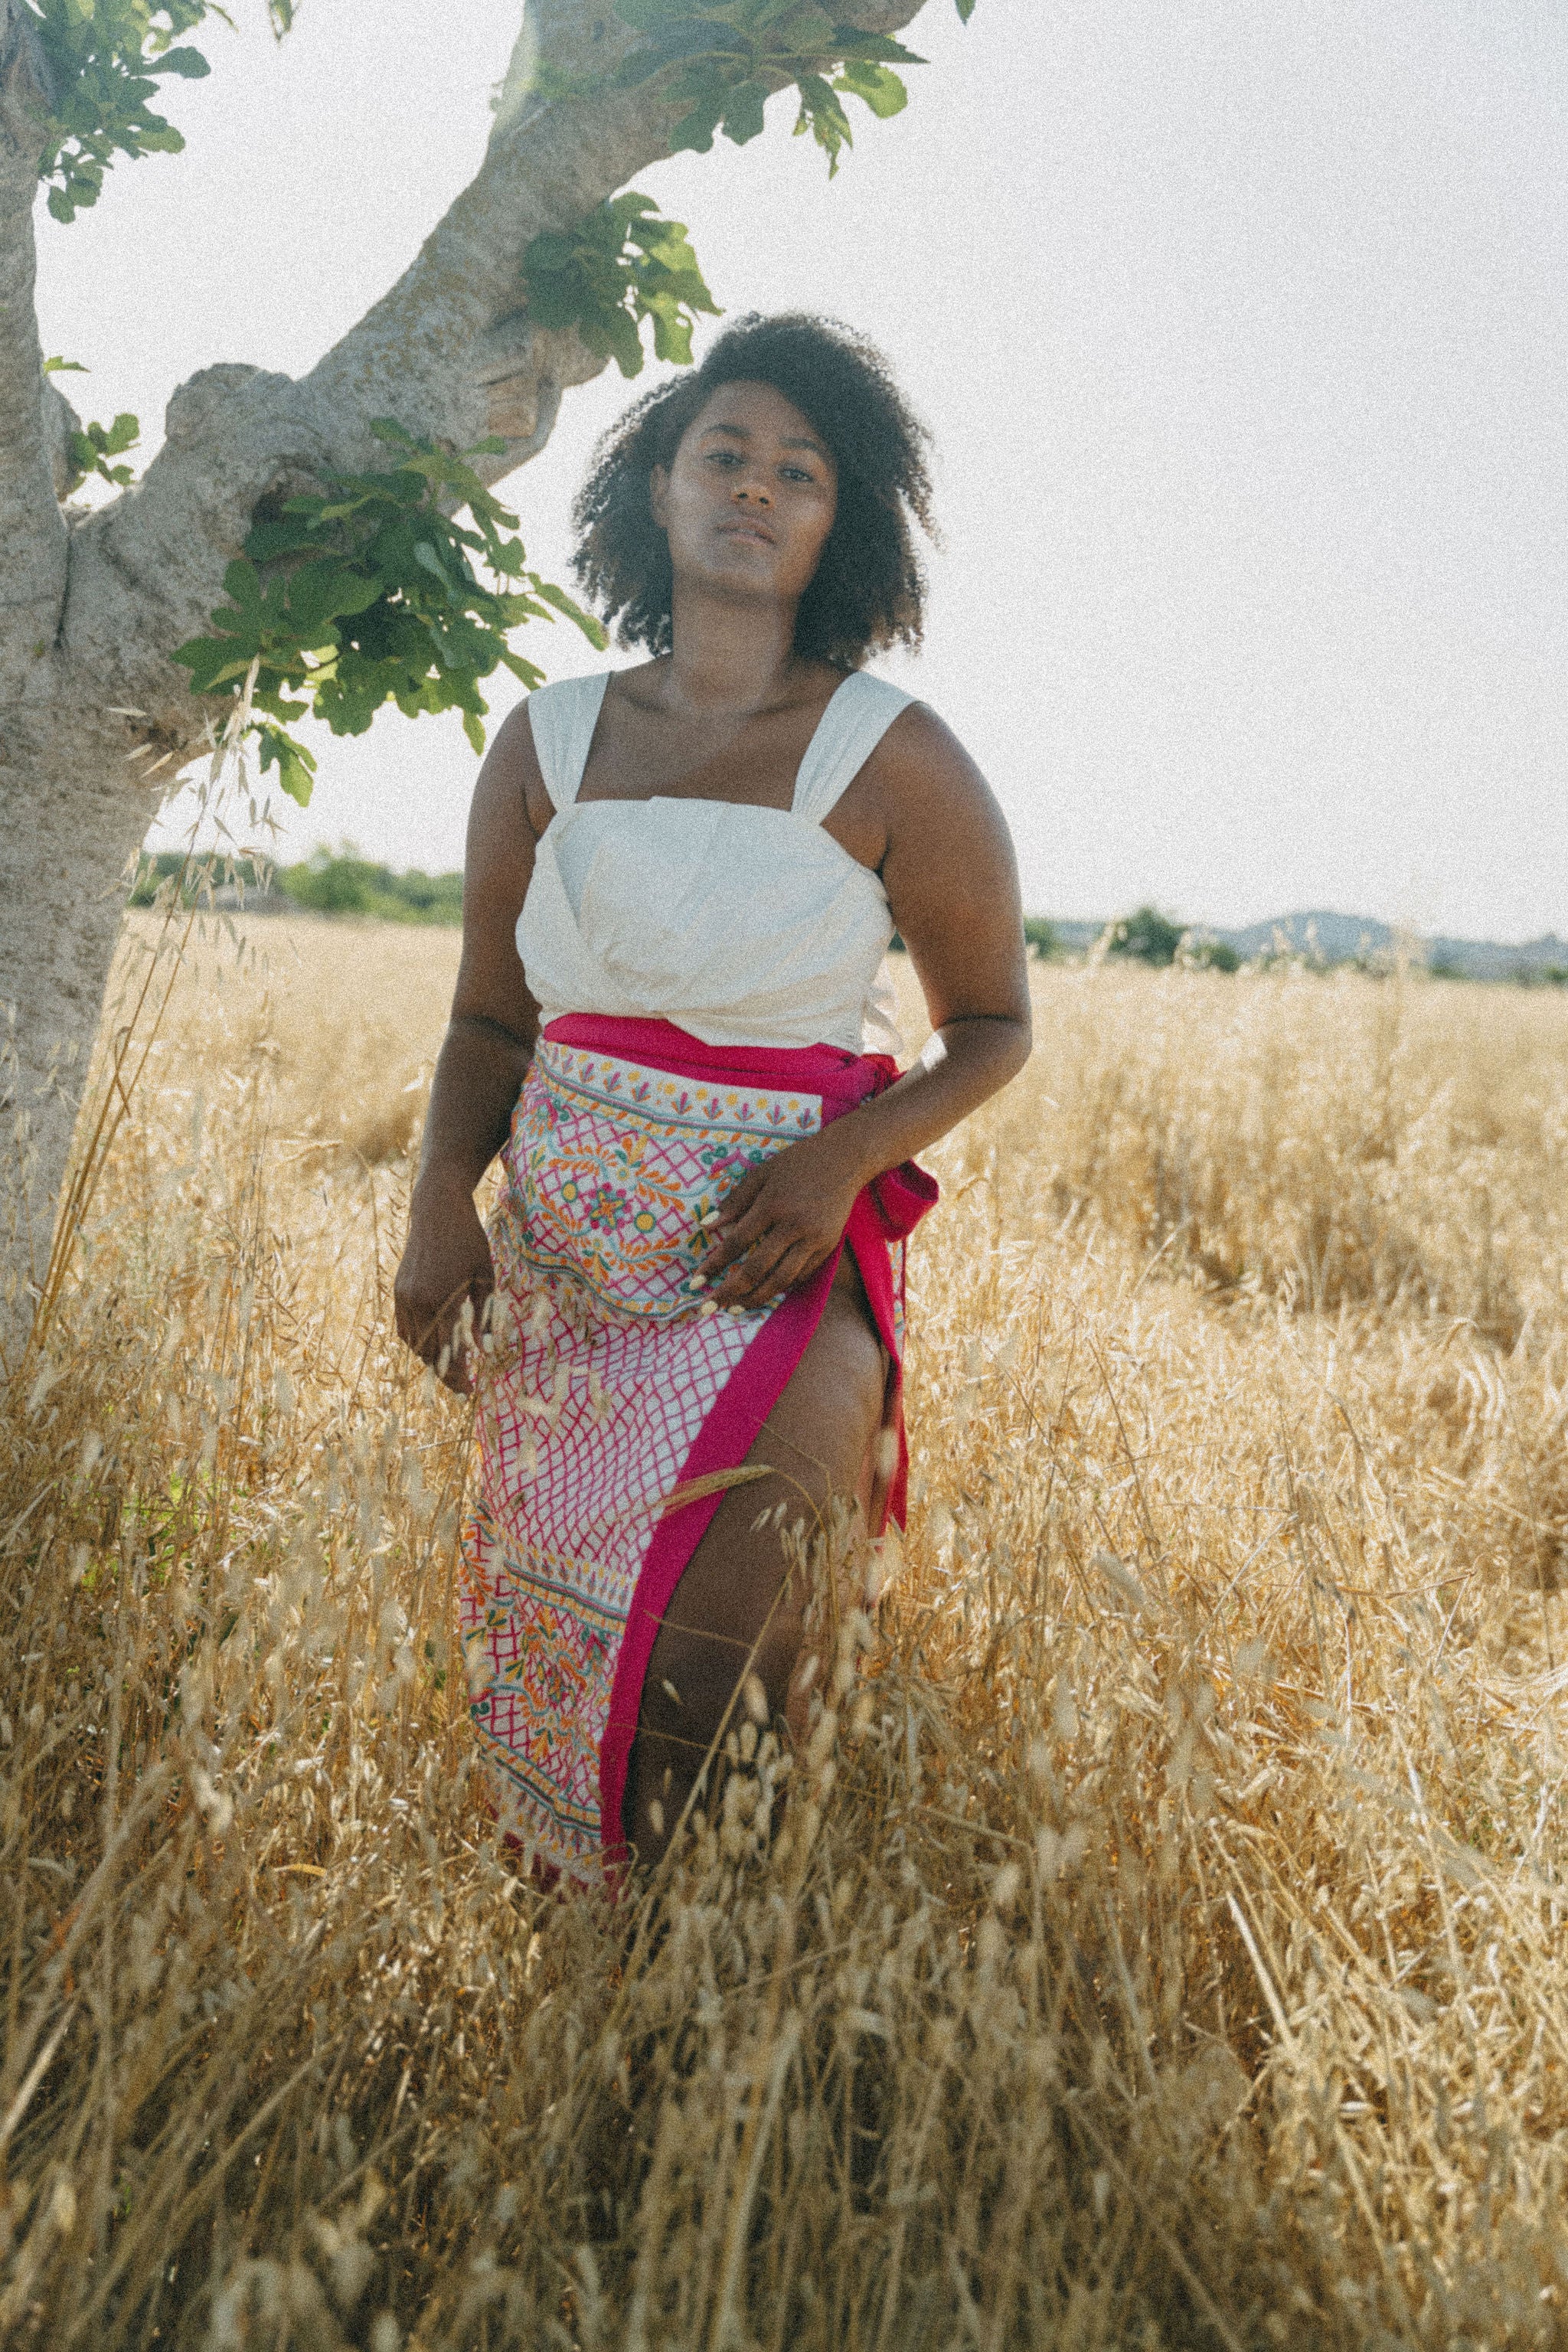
<point>1214,955</point>
<point>341,882</point>
<point>1148,936</point>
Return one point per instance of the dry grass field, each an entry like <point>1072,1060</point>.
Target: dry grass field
<point>1166,1943</point>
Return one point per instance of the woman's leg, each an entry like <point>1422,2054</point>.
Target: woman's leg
<point>820,1438</point>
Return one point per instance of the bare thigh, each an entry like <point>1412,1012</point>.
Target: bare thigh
<point>819,1441</point>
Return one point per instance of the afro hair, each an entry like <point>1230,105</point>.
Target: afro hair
<point>869,588</point>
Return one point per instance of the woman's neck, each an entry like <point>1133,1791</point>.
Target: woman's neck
<point>728,656</point>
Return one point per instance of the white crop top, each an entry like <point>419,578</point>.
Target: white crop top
<point>743,926</point>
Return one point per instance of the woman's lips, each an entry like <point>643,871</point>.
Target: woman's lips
<point>759,532</point>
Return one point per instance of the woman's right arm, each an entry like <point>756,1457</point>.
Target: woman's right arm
<point>479,1072</point>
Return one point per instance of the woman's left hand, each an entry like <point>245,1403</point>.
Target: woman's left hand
<point>781,1221</point>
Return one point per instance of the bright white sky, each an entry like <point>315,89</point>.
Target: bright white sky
<point>1243,334</point>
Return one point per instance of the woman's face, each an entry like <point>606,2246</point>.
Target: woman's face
<point>750,500</point>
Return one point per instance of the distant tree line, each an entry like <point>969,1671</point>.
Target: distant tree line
<point>1527,976</point>
<point>328,882</point>
<point>341,882</point>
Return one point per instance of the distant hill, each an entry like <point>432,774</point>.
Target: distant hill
<point>1342,938</point>
<point>1325,937</point>
<point>1332,938</point>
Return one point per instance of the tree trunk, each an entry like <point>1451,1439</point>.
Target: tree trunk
<point>69,823</point>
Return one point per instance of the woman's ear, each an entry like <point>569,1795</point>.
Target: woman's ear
<point>657,494</point>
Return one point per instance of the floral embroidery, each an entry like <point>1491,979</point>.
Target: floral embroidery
<point>604,1208</point>
<point>611,1168</point>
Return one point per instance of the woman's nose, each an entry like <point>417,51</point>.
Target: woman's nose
<point>755,492</point>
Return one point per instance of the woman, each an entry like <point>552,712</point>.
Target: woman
<point>682,879</point>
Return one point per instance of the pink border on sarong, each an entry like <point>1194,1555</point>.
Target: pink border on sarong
<point>884,1214</point>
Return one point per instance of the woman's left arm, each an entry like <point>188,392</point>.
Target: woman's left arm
<point>952,886</point>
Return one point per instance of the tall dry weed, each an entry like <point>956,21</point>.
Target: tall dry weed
<point>1164,1941</point>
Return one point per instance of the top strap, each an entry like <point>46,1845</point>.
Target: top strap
<point>562,718</point>
<point>855,721</point>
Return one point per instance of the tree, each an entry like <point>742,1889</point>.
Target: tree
<point>281,493</point>
<point>1212,955</point>
<point>1148,936</point>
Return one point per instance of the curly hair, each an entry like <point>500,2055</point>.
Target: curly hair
<point>868,590</point>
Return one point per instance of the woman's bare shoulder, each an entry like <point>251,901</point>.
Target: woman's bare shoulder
<point>512,782</point>
<point>920,768</point>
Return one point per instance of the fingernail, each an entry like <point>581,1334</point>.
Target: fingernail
<point>698,1282</point>
<point>708,1306</point>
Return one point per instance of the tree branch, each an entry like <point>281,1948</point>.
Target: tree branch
<point>448,352</point>
<point>548,163</point>
<point>32,529</point>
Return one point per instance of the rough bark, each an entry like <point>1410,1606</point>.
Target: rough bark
<point>94,718</point>
<point>32,528</point>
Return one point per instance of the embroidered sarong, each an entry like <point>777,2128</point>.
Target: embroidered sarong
<point>610,1387</point>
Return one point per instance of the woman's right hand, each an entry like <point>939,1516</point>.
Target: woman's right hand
<point>447,1265</point>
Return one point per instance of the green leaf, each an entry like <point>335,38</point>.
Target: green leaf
<point>295,765</point>
<point>744,116</point>
<point>242,583</point>
<point>878,48</point>
<point>807,29</point>
<point>877,86</point>
<point>822,115</point>
<point>189,64</point>
<point>208,661</point>
<point>324,592</point>
<point>279,535</point>
<point>615,334</point>
<point>527,672</point>
<point>424,554</point>
<point>321,512</point>
<point>65,367</point>
<point>965,10</point>
<point>710,95</point>
<point>593,629</point>
<point>671,332</point>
